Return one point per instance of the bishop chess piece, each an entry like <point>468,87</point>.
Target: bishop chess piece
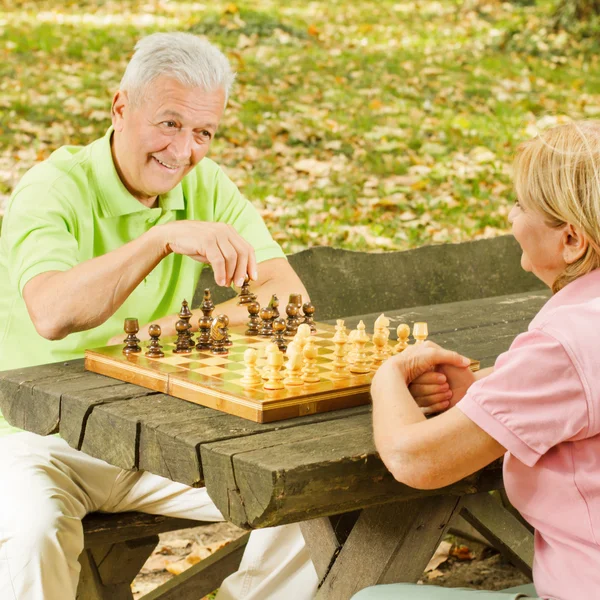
<point>360,363</point>
<point>219,335</point>
<point>182,345</point>
<point>340,340</point>
<point>275,363</point>
<point>293,368</point>
<point>267,317</point>
<point>154,346</point>
<point>308,308</point>
<point>251,377</point>
<point>246,296</point>
<point>292,322</point>
<point>310,371</point>
<point>254,321</point>
<point>278,332</point>
<point>132,342</point>
<point>274,305</point>
<point>420,332</point>
<point>402,331</point>
<point>205,321</point>
<point>185,315</point>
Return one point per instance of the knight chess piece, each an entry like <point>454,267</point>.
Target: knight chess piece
<point>254,320</point>
<point>308,308</point>
<point>274,305</point>
<point>278,331</point>
<point>154,346</point>
<point>246,296</point>
<point>219,335</point>
<point>132,342</point>
<point>182,344</point>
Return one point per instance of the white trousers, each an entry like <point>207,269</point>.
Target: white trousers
<point>47,487</point>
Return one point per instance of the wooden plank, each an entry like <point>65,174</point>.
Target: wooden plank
<point>388,544</point>
<point>322,543</point>
<point>205,576</point>
<point>506,533</point>
<point>308,472</point>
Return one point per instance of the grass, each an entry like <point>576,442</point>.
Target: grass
<point>366,125</point>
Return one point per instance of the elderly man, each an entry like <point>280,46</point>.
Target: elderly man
<point>117,228</point>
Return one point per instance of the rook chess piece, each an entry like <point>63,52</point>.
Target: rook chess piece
<point>402,331</point>
<point>246,296</point>
<point>420,332</point>
<point>154,347</point>
<point>251,376</point>
<point>253,319</point>
<point>279,330</point>
<point>308,308</point>
<point>132,342</point>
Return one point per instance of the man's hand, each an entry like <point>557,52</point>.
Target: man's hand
<point>218,244</point>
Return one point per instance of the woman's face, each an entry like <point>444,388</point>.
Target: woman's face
<point>542,244</point>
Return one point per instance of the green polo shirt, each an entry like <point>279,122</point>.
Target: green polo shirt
<point>73,207</point>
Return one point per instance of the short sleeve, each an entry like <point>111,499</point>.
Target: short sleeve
<point>232,208</point>
<point>38,234</point>
<point>533,400</point>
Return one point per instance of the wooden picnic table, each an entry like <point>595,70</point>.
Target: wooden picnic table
<point>300,470</point>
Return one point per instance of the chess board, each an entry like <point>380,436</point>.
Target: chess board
<point>214,380</point>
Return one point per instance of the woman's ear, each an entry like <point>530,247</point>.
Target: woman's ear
<point>575,244</point>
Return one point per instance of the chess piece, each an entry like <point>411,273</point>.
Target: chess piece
<point>246,296</point>
<point>402,331</point>
<point>274,305</point>
<point>297,300</point>
<point>379,353</point>
<point>154,347</point>
<point>308,308</point>
<point>420,332</point>
<point>352,341</point>
<point>310,371</point>
<point>267,318</point>
<point>205,322</point>
<point>291,326</point>
<point>268,349</point>
<point>278,331</point>
<point>275,363</point>
<point>251,376</point>
<point>360,363</point>
<point>302,336</point>
<point>253,319</point>
<point>340,339</point>
<point>381,326</point>
<point>182,345</point>
<point>185,315</point>
<point>132,342</point>
<point>219,335</point>
<point>293,369</point>
<point>207,305</point>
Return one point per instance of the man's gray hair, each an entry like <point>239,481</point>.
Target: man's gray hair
<point>182,56</point>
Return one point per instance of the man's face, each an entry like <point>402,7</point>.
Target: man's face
<point>162,138</point>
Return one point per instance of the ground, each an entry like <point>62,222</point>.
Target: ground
<point>459,563</point>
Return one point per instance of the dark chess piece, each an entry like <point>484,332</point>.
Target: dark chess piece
<point>207,305</point>
<point>182,344</point>
<point>185,314</point>
<point>204,324</point>
<point>297,300</point>
<point>246,296</point>
<point>154,347</point>
<point>308,308</point>
<point>132,342</point>
<point>254,319</point>
<point>292,322</point>
<point>267,317</point>
<point>279,330</point>
<point>274,304</point>
<point>219,335</point>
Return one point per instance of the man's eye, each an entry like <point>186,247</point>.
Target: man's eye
<point>169,124</point>
<point>206,134</point>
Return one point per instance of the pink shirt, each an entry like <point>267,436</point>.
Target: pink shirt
<point>542,403</point>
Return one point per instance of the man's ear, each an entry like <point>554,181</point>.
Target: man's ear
<point>120,104</point>
<point>575,244</point>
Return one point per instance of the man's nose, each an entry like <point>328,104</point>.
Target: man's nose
<point>182,146</point>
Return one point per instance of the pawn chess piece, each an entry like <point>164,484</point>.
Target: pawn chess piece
<point>132,342</point>
<point>340,340</point>
<point>379,353</point>
<point>270,347</point>
<point>154,347</point>
<point>278,331</point>
<point>302,335</point>
<point>267,318</point>
<point>219,335</point>
<point>275,363</point>
<point>274,305</point>
<point>310,371</point>
<point>402,331</point>
<point>204,323</point>
<point>291,326</point>
<point>360,363</point>
<point>293,369</point>
<point>251,377</point>
<point>308,308</point>
<point>420,332</point>
<point>185,315</point>
<point>254,321</point>
<point>182,344</point>
<point>382,324</point>
<point>246,296</point>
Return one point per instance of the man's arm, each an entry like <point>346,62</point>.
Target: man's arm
<point>85,296</point>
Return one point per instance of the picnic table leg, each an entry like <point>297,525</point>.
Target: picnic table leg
<point>389,543</point>
<point>108,570</point>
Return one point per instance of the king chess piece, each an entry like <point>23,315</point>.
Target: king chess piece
<point>154,347</point>
<point>132,342</point>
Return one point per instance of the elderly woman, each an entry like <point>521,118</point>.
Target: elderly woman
<point>539,406</point>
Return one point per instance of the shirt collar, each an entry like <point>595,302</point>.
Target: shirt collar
<point>582,289</point>
<point>115,199</point>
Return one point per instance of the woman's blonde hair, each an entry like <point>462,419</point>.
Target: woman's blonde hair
<point>557,174</point>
